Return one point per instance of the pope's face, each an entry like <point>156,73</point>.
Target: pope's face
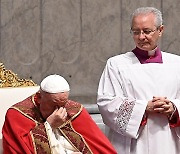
<point>142,24</point>
<point>50,102</point>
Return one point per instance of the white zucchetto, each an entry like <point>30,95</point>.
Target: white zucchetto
<point>54,84</point>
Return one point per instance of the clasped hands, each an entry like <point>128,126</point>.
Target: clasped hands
<point>160,105</point>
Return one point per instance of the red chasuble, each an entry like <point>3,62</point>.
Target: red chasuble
<point>24,131</point>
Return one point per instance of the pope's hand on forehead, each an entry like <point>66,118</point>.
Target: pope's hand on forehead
<point>62,112</point>
<point>58,117</point>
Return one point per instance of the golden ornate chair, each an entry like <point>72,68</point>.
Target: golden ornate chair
<point>12,90</point>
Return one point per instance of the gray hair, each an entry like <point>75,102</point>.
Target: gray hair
<point>147,10</point>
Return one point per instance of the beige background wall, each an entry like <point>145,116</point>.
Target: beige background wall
<point>74,38</point>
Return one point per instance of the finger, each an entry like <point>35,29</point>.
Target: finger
<point>60,110</point>
<point>167,101</point>
<point>159,109</point>
<point>65,116</point>
<point>166,107</point>
<point>62,113</point>
<point>155,98</point>
<point>167,112</point>
<point>158,104</point>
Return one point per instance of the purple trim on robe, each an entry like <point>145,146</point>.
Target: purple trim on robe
<point>144,58</point>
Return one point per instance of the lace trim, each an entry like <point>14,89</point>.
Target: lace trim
<point>124,115</point>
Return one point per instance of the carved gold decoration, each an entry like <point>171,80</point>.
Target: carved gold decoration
<point>10,79</point>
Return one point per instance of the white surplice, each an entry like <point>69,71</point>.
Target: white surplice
<point>124,90</point>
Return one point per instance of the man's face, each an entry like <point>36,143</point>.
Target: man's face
<point>145,33</point>
<point>50,102</point>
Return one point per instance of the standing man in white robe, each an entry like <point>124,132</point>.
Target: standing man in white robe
<point>139,92</point>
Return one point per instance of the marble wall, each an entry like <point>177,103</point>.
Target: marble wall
<point>74,38</point>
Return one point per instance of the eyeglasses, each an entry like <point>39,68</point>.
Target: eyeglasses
<point>144,31</point>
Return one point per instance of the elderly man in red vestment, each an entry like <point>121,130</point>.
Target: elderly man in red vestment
<point>48,122</point>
